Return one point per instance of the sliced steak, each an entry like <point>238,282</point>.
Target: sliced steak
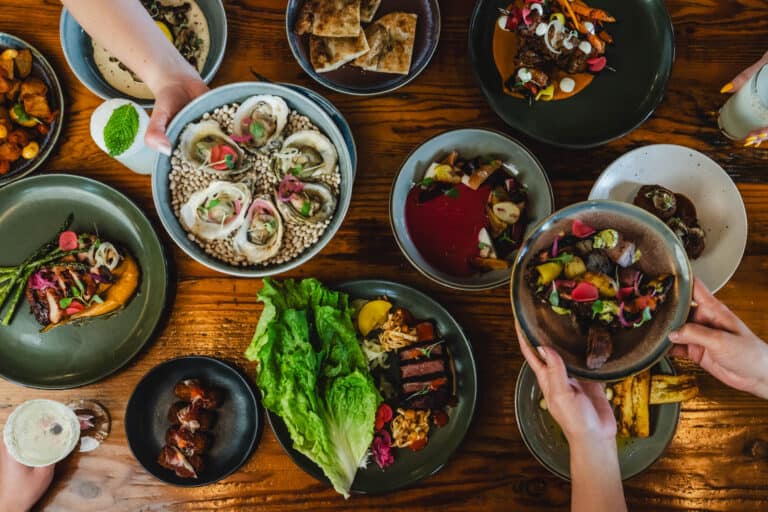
<point>421,369</point>
<point>423,350</point>
<point>599,347</point>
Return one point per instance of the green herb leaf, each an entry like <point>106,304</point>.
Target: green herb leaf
<point>296,171</point>
<point>212,203</point>
<point>645,318</point>
<point>305,208</point>
<point>426,182</point>
<point>256,129</point>
<point>121,129</point>
<point>97,299</point>
<point>561,311</point>
<point>564,258</point>
<point>229,161</point>
<point>452,192</point>
<point>21,114</point>
<point>65,302</point>
<point>597,308</point>
<point>554,297</point>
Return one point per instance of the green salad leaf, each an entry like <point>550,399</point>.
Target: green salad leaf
<point>314,375</point>
<point>121,129</point>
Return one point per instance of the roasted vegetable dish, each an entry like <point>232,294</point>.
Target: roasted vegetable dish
<point>73,277</point>
<point>678,212</point>
<point>191,420</point>
<point>412,366</point>
<point>26,115</point>
<point>557,48</point>
<point>467,215</point>
<point>594,277</point>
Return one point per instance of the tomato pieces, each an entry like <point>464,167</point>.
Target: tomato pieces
<point>223,157</point>
<point>383,415</point>
<point>74,307</point>
<point>68,241</point>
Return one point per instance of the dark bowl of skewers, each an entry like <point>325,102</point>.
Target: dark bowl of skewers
<point>192,421</point>
<point>604,283</point>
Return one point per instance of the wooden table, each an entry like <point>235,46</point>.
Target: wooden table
<point>709,465</point>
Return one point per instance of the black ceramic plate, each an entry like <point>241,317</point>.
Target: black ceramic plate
<point>349,79</point>
<point>545,440</point>
<point>409,467</point>
<point>31,211</point>
<point>613,104</point>
<point>40,69</point>
<point>235,432</point>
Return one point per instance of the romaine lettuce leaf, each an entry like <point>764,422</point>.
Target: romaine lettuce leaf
<point>313,374</point>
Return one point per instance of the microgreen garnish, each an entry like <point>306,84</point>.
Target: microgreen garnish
<point>305,208</point>
<point>597,308</point>
<point>296,171</point>
<point>423,391</point>
<point>97,299</point>
<point>452,192</point>
<point>426,182</point>
<point>65,302</point>
<point>645,318</point>
<point>554,297</point>
<point>563,258</point>
<point>427,351</point>
<point>229,161</point>
<point>256,129</point>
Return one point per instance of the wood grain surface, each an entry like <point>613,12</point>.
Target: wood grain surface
<point>717,460</point>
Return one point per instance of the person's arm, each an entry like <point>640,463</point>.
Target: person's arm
<point>21,486</point>
<point>126,29</point>
<point>755,137</point>
<point>585,415</point>
<point>723,345</point>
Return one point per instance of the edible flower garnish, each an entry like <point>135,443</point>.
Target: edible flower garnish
<point>582,230</point>
<point>381,448</point>
<point>288,186</point>
<point>585,292</point>
<point>68,241</point>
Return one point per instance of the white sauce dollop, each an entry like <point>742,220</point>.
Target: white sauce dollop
<point>589,27</point>
<point>585,47</point>
<point>524,75</point>
<point>567,84</point>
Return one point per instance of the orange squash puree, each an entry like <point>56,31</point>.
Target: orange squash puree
<point>504,50</point>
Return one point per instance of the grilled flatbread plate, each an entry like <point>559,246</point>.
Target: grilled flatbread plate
<point>330,18</point>
<point>329,53</point>
<point>368,9</point>
<point>391,39</point>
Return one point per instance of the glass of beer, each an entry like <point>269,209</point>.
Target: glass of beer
<point>746,110</point>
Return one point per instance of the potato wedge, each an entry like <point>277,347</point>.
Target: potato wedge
<point>23,63</point>
<point>668,389</point>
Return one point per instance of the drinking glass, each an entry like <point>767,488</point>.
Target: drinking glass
<point>746,110</point>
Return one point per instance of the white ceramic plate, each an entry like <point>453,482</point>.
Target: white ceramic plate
<point>683,170</point>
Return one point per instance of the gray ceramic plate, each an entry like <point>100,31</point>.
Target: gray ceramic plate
<point>236,93</point>
<point>545,440</point>
<point>634,350</point>
<point>31,211</point>
<point>42,69</point>
<point>409,467</point>
<point>78,51</point>
<point>469,142</point>
<point>349,79</point>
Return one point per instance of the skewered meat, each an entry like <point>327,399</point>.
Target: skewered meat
<point>190,443</point>
<point>192,390</point>
<point>191,417</point>
<point>599,347</point>
<point>184,466</point>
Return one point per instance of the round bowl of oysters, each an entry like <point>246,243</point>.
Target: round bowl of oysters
<point>259,180</point>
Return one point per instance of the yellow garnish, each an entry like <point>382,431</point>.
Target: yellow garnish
<point>372,316</point>
<point>558,16</point>
<point>546,94</point>
<point>165,30</point>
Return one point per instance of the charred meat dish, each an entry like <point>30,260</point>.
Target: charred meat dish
<point>467,215</point>
<point>191,420</point>
<point>26,115</point>
<point>413,367</point>
<point>594,278</point>
<point>559,47</point>
<point>678,212</point>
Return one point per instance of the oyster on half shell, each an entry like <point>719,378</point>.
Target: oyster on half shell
<point>216,211</point>
<point>206,147</point>
<point>307,154</point>
<point>260,120</point>
<point>261,235</point>
<point>312,204</point>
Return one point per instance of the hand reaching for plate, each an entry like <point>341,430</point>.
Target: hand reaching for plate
<point>723,345</point>
<point>21,486</point>
<point>586,417</point>
<point>171,95</point>
<point>760,135</point>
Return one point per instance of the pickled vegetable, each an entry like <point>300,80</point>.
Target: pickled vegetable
<point>548,272</point>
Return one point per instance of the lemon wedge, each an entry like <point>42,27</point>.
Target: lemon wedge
<point>165,30</point>
<point>372,316</point>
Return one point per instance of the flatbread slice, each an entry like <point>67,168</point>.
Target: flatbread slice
<point>329,18</point>
<point>391,39</point>
<point>329,53</point>
<point>368,10</point>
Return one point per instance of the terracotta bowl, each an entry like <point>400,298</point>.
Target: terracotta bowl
<point>634,350</point>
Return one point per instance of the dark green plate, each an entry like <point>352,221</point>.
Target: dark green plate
<point>613,104</point>
<point>31,210</point>
<point>545,440</point>
<point>409,467</point>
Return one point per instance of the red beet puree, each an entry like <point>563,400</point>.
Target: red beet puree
<point>444,229</point>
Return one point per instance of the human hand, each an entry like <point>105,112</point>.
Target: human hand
<point>755,137</point>
<point>723,345</point>
<point>171,95</point>
<point>579,407</point>
<point>21,486</point>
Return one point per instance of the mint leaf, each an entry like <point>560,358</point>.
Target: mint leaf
<point>121,129</point>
